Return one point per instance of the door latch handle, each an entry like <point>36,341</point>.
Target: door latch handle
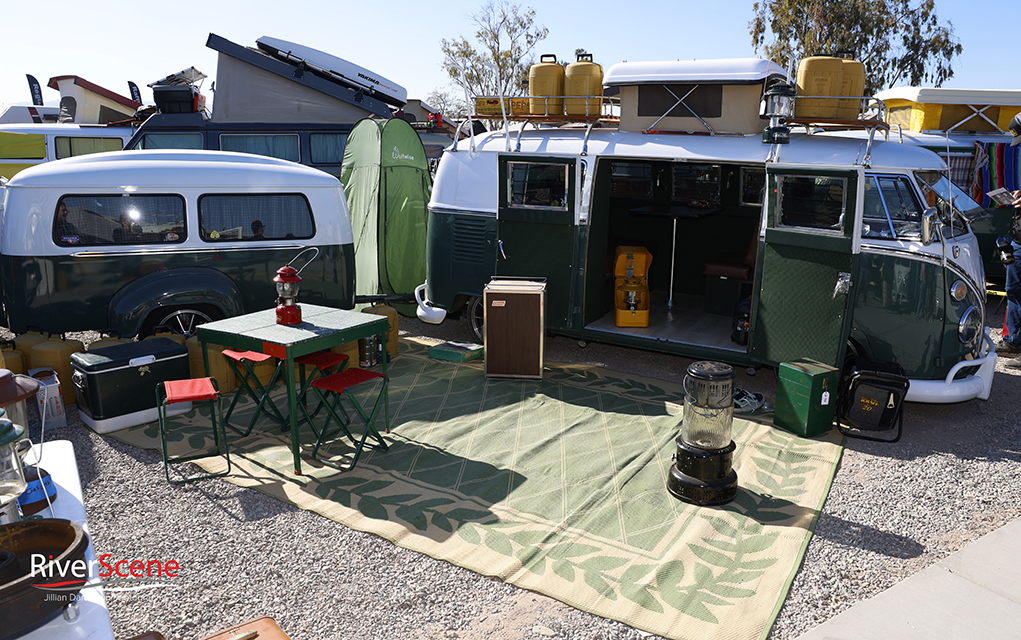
<point>843,284</point>
<point>504,255</point>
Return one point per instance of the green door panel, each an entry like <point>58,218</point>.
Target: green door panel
<point>540,240</point>
<point>809,247</point>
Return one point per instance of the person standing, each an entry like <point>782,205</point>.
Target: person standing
<point>1011,345</point>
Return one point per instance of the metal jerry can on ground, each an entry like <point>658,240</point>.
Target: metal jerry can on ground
<point>391,332</point>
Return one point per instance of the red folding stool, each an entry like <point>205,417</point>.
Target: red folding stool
<point>340,384</point>
<point>247,384</point>
<point>194,390</point>
<point>321,362</point>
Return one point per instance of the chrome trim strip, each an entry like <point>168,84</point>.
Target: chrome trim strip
<point>179,249</point>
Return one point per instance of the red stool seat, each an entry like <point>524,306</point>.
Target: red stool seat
<point>339,382</point>
<point>189,390</point>
<point>253,356</point>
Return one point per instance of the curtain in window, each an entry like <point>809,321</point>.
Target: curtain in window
<point>284,147</point>
<point>327,148</point>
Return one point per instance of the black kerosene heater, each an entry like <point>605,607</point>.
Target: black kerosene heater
<point>703,472</point>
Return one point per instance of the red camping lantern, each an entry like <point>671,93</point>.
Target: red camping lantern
<point>288,311</point>
<point>287,282</point>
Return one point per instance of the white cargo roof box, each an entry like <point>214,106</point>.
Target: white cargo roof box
<point>714,71</point>
<point>336,68</point>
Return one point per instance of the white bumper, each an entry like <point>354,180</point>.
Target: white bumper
<point>426,312</point>
<point>949,390</point>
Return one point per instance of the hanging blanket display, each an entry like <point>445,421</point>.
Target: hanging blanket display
<point>996,166</point>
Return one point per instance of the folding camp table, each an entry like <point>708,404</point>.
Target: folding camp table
<point>321,328</point>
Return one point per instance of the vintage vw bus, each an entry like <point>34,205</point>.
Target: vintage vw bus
<point>820,248</point>
<point>131,241</point>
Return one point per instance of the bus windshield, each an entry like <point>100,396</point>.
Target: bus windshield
<point>948,198</point>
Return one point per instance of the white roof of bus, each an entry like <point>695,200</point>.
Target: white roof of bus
<point>68,129</point>
<point>172,168</point>
<point>716,71</point>
<point>928,95</point>
<point>470,181</point>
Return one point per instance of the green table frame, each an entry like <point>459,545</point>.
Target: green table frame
<point>321,328</point>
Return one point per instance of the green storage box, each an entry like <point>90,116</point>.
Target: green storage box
<point>806,397</point>
<point>456,351</point>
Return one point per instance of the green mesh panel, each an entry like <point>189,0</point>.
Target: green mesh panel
<point>798,316</point>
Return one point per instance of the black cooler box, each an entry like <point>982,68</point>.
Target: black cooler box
<point>115,387</point>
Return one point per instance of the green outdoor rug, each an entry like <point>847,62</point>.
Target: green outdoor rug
<point>559,486</point>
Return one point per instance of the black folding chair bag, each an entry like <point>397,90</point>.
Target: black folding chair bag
<point>871,399</point>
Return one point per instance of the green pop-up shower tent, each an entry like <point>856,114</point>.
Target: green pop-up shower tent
<point>387,184</point>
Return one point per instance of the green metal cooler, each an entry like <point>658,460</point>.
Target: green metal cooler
<point>806,397</point>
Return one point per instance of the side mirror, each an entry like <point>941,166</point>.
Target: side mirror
<point>930,226</point>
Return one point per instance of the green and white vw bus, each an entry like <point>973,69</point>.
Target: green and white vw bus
<point>131,241</point>
<point>824,247</point>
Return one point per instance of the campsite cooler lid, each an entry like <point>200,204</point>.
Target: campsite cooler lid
<point>131,354</point>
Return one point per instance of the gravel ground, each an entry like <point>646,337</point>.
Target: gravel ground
<point>894,509</point>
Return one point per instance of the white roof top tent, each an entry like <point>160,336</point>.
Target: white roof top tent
<point>253,85</point>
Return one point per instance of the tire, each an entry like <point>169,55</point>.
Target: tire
<point>181,320</point>
<point>474,315</point>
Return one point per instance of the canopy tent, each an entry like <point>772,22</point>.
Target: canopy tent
<point>387,184</point>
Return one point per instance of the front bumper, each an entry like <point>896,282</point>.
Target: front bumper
<point>949,390</point>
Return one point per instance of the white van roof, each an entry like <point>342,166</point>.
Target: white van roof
<point>469,180</point>
<point>177,168</point>
<point>67,129</point>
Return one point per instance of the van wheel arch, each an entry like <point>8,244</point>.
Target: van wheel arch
<point>181,320</point>
<point>145,302</point>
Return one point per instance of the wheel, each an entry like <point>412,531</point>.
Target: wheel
<point>474,314</point>
<point>182,321</point>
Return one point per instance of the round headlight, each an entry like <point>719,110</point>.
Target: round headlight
<point>959,290</point>
<point>970,327</point>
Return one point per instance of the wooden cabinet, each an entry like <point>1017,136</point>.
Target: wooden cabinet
<point>515,325</point>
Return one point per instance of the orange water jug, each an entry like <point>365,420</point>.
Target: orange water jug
<point>853,86</point>
<point>163,332</point>
<point>14,360</point>
<point>111,339</point>
<point>583,78</point>
<point>218,367</point>
<point>546,79</point>
<point>26,341</point>
<point>819,77</point>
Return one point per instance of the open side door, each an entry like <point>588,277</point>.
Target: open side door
<point>805,281</point>
<point>536,228</point>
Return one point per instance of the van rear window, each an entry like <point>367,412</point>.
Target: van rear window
<point>255,217</point>
<point>119,219</point>
<point>67,147</point>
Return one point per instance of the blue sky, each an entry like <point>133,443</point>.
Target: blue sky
<point>400,40</point>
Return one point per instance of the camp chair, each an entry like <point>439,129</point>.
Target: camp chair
<point>194,390</point>
<point>340,384</point>
<point>249,383</point>
<point>321,362</point>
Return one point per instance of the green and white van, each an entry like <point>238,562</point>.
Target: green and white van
<point>172,238</point>
<point>830,245</point>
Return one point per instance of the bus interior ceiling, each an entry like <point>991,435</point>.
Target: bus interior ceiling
<point>717,209</point>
